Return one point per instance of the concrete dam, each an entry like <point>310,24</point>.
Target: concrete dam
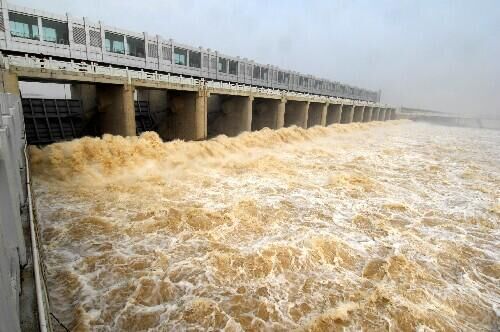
<point>126,84</point>
<point>179,188</point>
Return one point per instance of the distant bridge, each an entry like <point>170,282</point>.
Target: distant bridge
<point>447,119</point>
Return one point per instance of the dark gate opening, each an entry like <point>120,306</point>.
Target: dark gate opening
<point>143,120</point>
<point>52,120</point>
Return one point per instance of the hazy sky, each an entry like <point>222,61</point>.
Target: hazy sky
<point>441,54</point>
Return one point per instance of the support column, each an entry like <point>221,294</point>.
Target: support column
<point>324,114</point>
<point>347,114</point>
<point>115,104</point>
<point>280,117</point>
<point>367,115</point>
<point>200,115</point>
<point>186,117</point>
<point>296,113</point>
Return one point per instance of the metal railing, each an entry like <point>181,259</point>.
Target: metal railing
<point>129,74</point>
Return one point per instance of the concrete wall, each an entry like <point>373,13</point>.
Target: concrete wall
<point>228,115</point>
<point>268,113</point>
<point>381,114</point>
<point>158,108</point>
<point>296,113</point>
<point>87,94</point>
<point>115,104</point>
<point>393,114</point>
<point>367,115</point>
<point>317,115</point>
<point>387,114</point>
<point>12,197</point>
<point>347,114</point>
<point>375,112</point>
<point>358,114</point>
<point>187,115</point>
<point>334,114</point>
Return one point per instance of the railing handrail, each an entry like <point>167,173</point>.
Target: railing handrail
<point>49,63</point>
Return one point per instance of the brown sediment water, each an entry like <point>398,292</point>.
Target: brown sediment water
<point>367,226</point>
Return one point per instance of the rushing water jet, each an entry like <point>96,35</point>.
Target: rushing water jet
<point>360,226</point>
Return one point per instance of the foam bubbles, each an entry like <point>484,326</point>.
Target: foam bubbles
<point>367,226</point>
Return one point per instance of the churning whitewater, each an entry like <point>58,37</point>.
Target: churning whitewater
<point>375,226</point>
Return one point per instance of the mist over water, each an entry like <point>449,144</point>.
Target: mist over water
<point>375,226</point>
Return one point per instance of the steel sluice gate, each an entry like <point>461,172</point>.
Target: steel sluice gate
<point>54,120</point>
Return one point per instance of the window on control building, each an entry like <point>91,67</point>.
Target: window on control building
<point>233,67</point>
<point>194,59</point>
<point>135,47</point>
<point>23,26</point>
<point>114,43</point>
<point>256,72</point>
<point>222,65</point>
<point>55,32</point>
<point>180,56</point>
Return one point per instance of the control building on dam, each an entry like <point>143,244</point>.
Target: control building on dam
<point>125,83</point>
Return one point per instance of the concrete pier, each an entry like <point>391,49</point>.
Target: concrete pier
<point>187,115</point>
<point>268,113</point>
<point>296,113</point>
<point>228,115</point>
<point>358,114</point>
<point>317,115</point>
<point>115,104</point>
<point>367,115</point>
<point>334,114</point>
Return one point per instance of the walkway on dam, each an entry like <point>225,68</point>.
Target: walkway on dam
<point>118,100</point>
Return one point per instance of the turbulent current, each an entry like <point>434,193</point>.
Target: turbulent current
<point>376,226</point>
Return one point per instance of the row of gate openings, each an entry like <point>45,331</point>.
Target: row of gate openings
<point>52,120</point>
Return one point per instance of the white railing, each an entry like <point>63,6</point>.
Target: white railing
<point>93,68</point>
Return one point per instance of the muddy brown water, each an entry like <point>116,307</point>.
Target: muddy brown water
<point>376,226</point>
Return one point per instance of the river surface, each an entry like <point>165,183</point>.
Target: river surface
<point>390,226</point>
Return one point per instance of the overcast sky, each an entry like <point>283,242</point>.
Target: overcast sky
<point>441,54</point>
